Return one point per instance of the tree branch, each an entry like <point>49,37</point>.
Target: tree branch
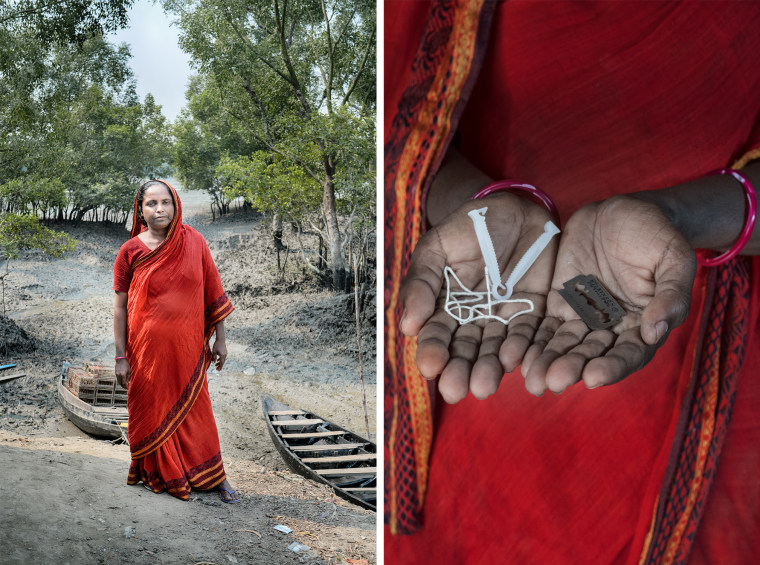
<point>362,65</point>
<point>19,14</point>
<point>252,48</point>
<point>270,144</point>
<point>330,60</point>
<point>280,25</point>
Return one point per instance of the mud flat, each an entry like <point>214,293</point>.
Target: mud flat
<point>64,494</point>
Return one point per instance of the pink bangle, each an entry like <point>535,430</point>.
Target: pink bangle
<point>117,358</point>
<point>512,185</point>
<point>750,216</point>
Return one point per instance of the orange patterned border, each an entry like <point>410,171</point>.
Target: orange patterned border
<point>428,138</point>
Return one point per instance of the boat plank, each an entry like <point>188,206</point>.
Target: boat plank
<point>286,412</point>
<point>365,489</point>
<point>109,409</point>
<point>304,422</point>
<point>312,434</point>
<point>354,471</point>
<point>331,447</point>
<point>341,458</point>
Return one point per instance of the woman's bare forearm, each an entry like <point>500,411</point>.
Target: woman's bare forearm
<point>453,185</point>
<point>220,335</point>
<point>709,211</point>
<point>120,324</point>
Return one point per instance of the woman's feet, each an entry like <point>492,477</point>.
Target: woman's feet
<point>227,493</point>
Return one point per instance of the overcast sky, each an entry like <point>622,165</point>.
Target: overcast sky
<point>160,66</point>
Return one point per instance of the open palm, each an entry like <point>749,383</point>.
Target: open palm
<point>643,261</point>
<point>471,357</point>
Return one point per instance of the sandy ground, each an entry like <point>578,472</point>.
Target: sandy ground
<point>64,498</point>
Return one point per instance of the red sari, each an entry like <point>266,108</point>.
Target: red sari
<point>175,300</point>
<point>586,100</point>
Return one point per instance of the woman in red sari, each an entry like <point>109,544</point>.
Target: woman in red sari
<point>619,111</point>
<point>169,302</point>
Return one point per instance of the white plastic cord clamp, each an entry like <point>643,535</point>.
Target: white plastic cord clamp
<point>467,305</point>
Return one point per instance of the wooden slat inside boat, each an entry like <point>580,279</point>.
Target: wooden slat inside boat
<point>324,452</point>
<point>97,406</point>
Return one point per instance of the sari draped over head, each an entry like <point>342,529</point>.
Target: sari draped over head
<point>578,98</point>
<point>175,300</point>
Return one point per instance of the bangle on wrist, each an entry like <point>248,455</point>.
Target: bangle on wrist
<point>750,215</point>
<point>117,358</point>
<point>516,186</point>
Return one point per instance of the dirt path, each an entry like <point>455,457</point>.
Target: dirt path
<point>64,498</point>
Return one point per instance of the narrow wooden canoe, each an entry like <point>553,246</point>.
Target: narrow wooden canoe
<point>324,452</point>
<point>101,421</point>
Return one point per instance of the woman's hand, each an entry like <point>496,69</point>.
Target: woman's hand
<point>630,246</point>
<point>219,351</point>
<point>219,354</point>
<point>123,372</point>
<point>471,356</point>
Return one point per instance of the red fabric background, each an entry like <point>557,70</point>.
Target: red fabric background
<point>588,100</point>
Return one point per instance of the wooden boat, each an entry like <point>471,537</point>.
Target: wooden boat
<point>324,452</point>
<point>98,412</point>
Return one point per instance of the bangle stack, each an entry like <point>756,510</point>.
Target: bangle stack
<point>750,215</point>
<point>517,186</point>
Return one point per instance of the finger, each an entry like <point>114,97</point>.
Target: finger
<point>422,284</point>
<point>487,371</point>
<point>628,355</point>
<point>433,344</point>
<point>567,369</point>
<point>569,335</point>
<point>544,333</point>
<point>455,377</point>
<point>520,334</point>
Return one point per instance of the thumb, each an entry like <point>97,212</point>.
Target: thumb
<point>669,307</point>
<point>423,282</point>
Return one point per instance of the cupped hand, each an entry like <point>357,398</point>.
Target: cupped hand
<point>123,372</point>
<point>474,356</point>
<point>219,354</point>
<point>630,246</point>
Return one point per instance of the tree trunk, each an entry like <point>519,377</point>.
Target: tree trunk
<point>277,236</point>
<point>337,264</point>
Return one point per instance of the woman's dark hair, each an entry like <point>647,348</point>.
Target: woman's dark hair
<point>141,195</point>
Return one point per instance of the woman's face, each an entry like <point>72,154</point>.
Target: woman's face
<point>158,208</point>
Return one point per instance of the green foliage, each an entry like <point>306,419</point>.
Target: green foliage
<point>64,21</point>
<point>69,111</point>
<point>111,147</point>
<point>270,183</point>
<point>38,194</point>
<point>203,135</point>
<point>298,78</point>
<point>18,232</point>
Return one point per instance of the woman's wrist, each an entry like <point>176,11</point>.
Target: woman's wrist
<point>708,211</point>
<point>453,185</point>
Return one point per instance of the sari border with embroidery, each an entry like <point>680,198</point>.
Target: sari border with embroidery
<point>444,73</point>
